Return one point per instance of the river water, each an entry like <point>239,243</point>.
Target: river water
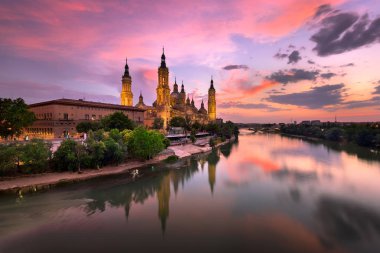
<point>262,193</point>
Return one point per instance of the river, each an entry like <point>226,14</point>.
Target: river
<point>262,193</point>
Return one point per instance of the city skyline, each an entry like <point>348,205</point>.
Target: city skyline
<point>270,61</point>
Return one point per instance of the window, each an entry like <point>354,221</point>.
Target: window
<point>86,117</point>
<point>66,116</point>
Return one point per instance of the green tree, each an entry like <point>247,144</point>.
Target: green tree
<point>14,116</point>
<point>118,121</point>
<point>177,122</point>
<point>213,128</point>
<point>113,151</point>
<point>65,158</point>
<point>86,126</point>
<point>144,144</point>
<point>96,150</point>
<point>35,156</point>
<point>196,126</point>
<point>8,159</point>
<point>158,123</point>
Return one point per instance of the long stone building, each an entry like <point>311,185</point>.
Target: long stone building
<point>58,118</point>
<point>169,104</point>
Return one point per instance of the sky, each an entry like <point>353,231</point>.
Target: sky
<point>271,61</point>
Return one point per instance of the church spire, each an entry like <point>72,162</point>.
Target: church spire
<point>126,69</point>
<point>212,83</point>
<point>163,63</point>
<point>175,86</point>
<point>182,88</point>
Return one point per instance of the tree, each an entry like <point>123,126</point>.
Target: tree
<point>86,126</point>
<point>118,121</point>
<point>365,137</point>
<point>8,159</point>
<point>334,134</point>
<point>144,144</point>
<point>177,122</point>
<point>14,116</point>
<point>35,156</point>
<point>213,128</point>
<point>158,123</point>
<point>196,126</point>
<point>65,158</point>
<point>113,152</point>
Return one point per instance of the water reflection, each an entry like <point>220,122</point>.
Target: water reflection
<point>263,193</point>
<point>154,184</point>
<point>346,221</point>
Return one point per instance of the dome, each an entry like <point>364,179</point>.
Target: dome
<point>202,111</point>
<point>174,94</point>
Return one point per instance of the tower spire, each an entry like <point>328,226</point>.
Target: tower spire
<point>163,58</point>
<point>212,83</point>
<point>126,68</point>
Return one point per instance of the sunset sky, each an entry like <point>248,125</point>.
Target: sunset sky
<point>272,61</point>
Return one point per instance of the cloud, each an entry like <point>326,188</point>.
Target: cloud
<point>377,89</point>
<point>247,106</point>
<point>293,76</point>
<point>328,75</point>
<point>294,57</point>
<point>345,31</point>
<point>280,55</point>
<point>375,101</point>
<point>351,64</point>
<point>316,98</point>
<point>231,67</point>
<point>311,62</point>
<point>322,9</point>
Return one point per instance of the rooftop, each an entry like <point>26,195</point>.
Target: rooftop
<point>81,102</point>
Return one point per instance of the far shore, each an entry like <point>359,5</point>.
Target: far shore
<point>36,182</point>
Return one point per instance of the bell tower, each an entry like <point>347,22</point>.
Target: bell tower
<point>126,95</point>
<point>211,102</point>
<point>163,91</point>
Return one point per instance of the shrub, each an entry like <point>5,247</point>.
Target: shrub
<point>35,156</point>
<point>171,159</point>
<point>211,142</point>
<point>166,142</point>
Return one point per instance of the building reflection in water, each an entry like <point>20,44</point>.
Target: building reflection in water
<point>156,183</point>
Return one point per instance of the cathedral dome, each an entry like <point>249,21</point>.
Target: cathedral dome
<point>202,111</point>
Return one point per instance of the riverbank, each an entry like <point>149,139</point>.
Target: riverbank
<point>37,182</point>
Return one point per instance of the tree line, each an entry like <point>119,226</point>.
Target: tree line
<point>367,135</point>
<point>110,141</point>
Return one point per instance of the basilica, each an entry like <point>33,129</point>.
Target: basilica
<point>169,104</point>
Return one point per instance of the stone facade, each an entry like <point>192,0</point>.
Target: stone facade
<point>58,118</point>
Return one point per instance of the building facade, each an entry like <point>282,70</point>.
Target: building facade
<point>59,118</point>
<point>171,104</point>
